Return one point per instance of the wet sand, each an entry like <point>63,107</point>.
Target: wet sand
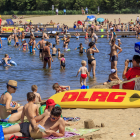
<point>70,19</point>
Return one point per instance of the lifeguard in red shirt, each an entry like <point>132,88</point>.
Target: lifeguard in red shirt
<point>131,73</point>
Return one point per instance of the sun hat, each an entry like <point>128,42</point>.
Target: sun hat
<point>113,71</point>
<point>12,83</point>
<point>50,102</point>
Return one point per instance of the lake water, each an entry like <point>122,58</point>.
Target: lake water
<point>29,69</point>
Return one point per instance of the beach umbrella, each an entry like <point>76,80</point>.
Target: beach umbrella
<point>137,47</point>
<point>29,20</point>
<point>91,18</point>
<point>100,19</point>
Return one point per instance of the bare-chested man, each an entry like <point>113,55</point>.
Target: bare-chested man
<point>51,124</point>
<point>16,41</point>
<point>114,55</point>
<point>42,43</point>
<point>15,31</point>
<point>44,35</point>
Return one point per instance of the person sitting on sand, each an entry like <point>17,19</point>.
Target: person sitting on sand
<point>112,77</point>
<point>6,59</point>
<point>9,113</point>
<point>59,88</point>
<point>30,110</point>
<point>81,48</point>
<point>131,73</point>
<point>84,73</point>
<point>37,95</point>
<point>51,124</point>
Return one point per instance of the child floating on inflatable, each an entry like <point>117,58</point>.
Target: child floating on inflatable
<point>84,73</point>
<point>6,58</point>
<point>59,88</point>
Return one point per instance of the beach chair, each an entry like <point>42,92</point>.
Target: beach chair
<point>137,83</point>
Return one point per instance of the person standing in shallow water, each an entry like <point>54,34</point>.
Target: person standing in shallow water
<point>114,55</point>
<point>91,59</point>
<point>46,55</point>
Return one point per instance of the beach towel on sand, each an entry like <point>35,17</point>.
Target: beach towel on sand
<point>70,132</point>
<point>5,124</point>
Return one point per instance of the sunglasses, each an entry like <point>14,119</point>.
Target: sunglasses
<point>53,118</point>
<point>13,87</point>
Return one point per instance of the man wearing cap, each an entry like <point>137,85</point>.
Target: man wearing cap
<point>7,111</point>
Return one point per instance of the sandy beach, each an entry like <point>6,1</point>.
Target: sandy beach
<point>70,19</point>
<point>119,123</point>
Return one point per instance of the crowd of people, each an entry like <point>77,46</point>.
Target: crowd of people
<point>51,118</point>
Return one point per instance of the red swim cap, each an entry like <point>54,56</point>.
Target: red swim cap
<point>50,102</point>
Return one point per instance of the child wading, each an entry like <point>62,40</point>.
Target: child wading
<point>84,73</point>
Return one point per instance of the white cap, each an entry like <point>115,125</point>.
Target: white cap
<point>113,71</point>
<point>119,40</point>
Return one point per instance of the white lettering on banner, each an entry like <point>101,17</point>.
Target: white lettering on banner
<point>137,49</point>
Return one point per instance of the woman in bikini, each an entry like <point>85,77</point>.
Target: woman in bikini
<point>46,55</point>
<point>91,59</point>
<point>25,46</point>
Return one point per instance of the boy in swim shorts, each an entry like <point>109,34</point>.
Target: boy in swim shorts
<point>59,88</point>
<point>59,53</point>
<point>16,41</point>
<point>37,95</point>
<point>30,110</point>
<point>84,73</point>
<point>112,77</point>
<point>54,50</point>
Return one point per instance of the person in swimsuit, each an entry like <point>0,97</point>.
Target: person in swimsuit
<point>19,33</point>
<point>7,113</point>
<point>51,124</point>
<point>84,73</point>
<point>114,55</point>
<point>30,43</point>
<point>91,59</point>
<point>62,61</point>
<point>46,56</point>
<point>9,39</point>
<point>57,40</point>
<point>22,36</point>
<point>81,48</point>
<point>74,26</point>
<point>107,34</point>
<point>67,40</point>
<point>24,45</point>
<point>16,41</point>
<point>44,35</point>
<point>77,35</point>
<point>6,59</point>
<point>33,45</point>
<point>54,50</point>
<point>94,37</point>
<point>112,77</point>
<point>86,36</point>
<point>59,88</point>
<point>42,43</point>
<point>119,43</point>
<point>59,53</point>
<point>15,31</point>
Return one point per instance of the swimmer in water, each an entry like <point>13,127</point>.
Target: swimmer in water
<point>9,39</point>
<point>57,40</point>
<point>22,36</point>
<point>16,41</point>
<point>0,43</point>
<point>65,46</point>
<point>59,53</point>
<point>77,35</point>
<point>84,73</point>
<point>62,61</point>
<point>54,50</point>
<point>6,58</point>
<point>81,48</point>
<point>24,45</point>
<point>107,34</point>
<point>64,38</point>
<point>119,43</point>
<point>33,45</point>
<point>42,43</point>
<point>86,36</point>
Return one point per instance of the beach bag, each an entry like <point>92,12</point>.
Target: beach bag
<point>19,138</point>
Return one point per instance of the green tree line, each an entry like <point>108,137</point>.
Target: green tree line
<point>106,6</point>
